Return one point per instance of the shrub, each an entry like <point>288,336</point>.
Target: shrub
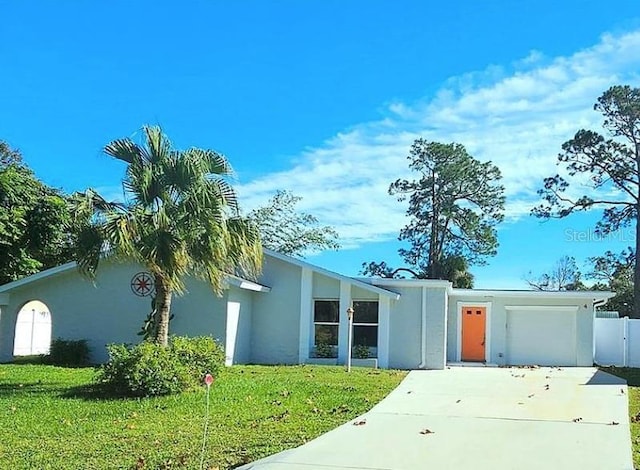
<point>361,351</point>
<point>149,369</point>
<point>325,350</point>
<point>68,352</point>
<point>201,354</point>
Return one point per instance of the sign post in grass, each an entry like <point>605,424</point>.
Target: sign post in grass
<point>208,380</point>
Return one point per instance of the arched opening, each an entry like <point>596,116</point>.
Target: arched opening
<point>33,330</point>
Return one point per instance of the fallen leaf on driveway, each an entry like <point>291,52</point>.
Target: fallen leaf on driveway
<point>577,420</point>
<point>613,423</point>
<point>426,431</point>
<point>458,401</point>
<point>360,423</point>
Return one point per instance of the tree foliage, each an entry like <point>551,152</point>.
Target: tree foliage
<point>286,230</point>
<point>453,268</point>
<point>563,276</point>
<point>455,204</point>
<point>614,272</point>
<point>8,155</point>
<point>36,230</point>
<point>181,219</point>
<point>611,167</point>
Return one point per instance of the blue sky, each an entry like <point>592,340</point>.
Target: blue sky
<point>324,98</point>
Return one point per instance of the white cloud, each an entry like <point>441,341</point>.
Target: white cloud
<point>516,116</point>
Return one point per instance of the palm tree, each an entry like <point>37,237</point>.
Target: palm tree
<point>181,218</point>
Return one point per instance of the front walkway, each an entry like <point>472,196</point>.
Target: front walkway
<point>481,418</point>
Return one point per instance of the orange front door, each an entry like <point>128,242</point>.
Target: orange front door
<point>473,333</point>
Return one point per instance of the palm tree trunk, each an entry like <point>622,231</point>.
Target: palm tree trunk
<point>163,304</point>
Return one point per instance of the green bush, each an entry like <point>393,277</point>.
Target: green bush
<point>68,352</point>
<point>149,369</point>
<point>325,350</point>
<point>361,351</point>
<point>201,354</point>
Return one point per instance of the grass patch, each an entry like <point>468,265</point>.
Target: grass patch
<point>632,376</point>
<point>54,419</point>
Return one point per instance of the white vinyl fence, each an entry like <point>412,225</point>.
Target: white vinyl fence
<point>617,342</point>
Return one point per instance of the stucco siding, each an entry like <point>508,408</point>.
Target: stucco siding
<point>436,340</point>
<point>107,312</point>
<point>276,317</point>
<point>585,334</point>
<point>405,324</point>
<point>199,312</point>
<point>358,293</point>
<point>325,287</point>
<point>498,318</point>
<point>238,327</point>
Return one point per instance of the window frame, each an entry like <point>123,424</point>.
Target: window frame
<point>325,323</point>
<point>373,350</point>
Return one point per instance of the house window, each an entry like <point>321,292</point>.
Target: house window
<point>326,317</point>
<point>365,325</point>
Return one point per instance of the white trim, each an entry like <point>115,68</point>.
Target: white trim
<point>343,326</point>
<point>306,311</point>
<point>533,293</point>
<point>334,275</point>
<point>446,328</point>
<point>423,330</point>
<point>382,281</point>
<point>625,351</point>
<point>246,285</point>
<point>384,309</point>
<point>41,275</point>
<point>487,329</point>
<point>371,325</point>
<point>314,323</point>
<point>230,279</point>
<point>543,308</point>
<point>233,320</point>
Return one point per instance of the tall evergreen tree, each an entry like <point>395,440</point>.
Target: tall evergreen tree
<point>609,165</point>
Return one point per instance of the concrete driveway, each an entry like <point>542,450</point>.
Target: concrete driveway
<point>481,418</point>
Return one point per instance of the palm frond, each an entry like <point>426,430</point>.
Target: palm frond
<point>157,146</point>
<point>88,249</point>
<point>182,217</point>
<point>124,149</point>
<point>210,162</point>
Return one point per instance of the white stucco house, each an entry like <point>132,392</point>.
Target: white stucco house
<point>294,307</point>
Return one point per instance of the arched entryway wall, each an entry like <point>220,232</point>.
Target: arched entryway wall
<point>33,330</point>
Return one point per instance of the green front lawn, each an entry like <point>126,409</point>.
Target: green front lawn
<point>52,419</point>
<point>632,376</point>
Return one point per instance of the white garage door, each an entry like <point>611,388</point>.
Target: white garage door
<point>541,336</point>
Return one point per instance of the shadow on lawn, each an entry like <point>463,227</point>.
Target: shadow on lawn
<point>89,392</point>
<point>95,392</point>
<point>31,388</point>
